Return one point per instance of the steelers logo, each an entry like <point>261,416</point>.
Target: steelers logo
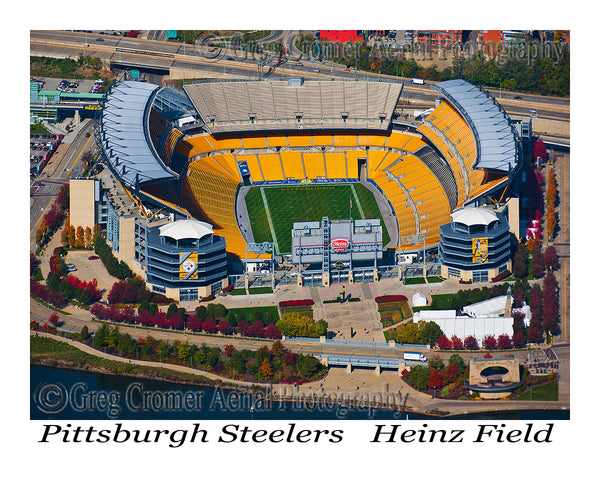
<point>188,265</point>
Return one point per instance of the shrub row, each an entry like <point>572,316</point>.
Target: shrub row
<point>390,298</point>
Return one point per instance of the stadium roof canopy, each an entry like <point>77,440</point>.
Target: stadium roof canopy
<point>125,141</point>
<point>188,228</point>
<point>496,137</point>
<point>473,216</point>
<point>294,103</point>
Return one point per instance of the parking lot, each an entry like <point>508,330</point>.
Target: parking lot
<point>83,86</point>
<point>41,148</point>
<point>88,269</point>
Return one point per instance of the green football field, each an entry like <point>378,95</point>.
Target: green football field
<point>274,209</point>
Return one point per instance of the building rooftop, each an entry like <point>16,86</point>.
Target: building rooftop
<point>125,141</point>
<point>188,228</point>
<point>473,216</point>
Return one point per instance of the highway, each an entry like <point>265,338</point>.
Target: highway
<point>228,63</point>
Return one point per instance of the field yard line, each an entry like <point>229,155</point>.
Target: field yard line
<point>262,192</point>
<point>362,214</point>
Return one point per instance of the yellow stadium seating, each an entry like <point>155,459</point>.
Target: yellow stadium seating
<point>226,143</point>
<point>336,165</point>
<point>271,167</point>
<point>167,151</point>
<point>344,140</point>
<point>351,166</point>
<point>322,139</point>
<point>200,144</point>
<point>299,140</point>
<point>375,159</point>
<point>253,165</point>
<point>254,141</point>
<point>314,165</point>
<point>372,140</point>
<point>274,140</point>
<point>292,165</point>
<point>209,194</point>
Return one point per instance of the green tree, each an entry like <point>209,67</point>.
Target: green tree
<point>171,310</point>
<point>431,332</point>
<point>183,350</point>
<point>456,359</point>
<point>84,333</point>
<point>101,336</point>
<point>436,363</point>
<point>113,337</point>
<point>163,349</point>
<point>307,365</point>
<point>419,377</point>
<point>53,280</point>
<point>295,324</point>
<point>126,344</point>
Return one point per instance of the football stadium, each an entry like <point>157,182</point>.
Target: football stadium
<point>246,166</point>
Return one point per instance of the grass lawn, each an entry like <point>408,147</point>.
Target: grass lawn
<point>414,280</point>
<point>543,393</point>
<point>443,300</point>
<point>302,203</point>
<point>249,312</point>
<point>435,279</point>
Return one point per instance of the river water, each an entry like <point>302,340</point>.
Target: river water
<point>58,394</point>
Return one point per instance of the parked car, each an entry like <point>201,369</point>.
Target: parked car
<point>93,257</point>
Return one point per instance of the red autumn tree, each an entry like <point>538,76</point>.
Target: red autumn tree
<point>504,342</point>
<point>444,343</point>
<point>224,327</point>
<point>551,258</point>
<point>435,378</point>
<point>471,343</point>
<point>519,339</point>
<point>209,325</point>
<point>53,319</point>
<point>457,343</point>
<point>489,342</point>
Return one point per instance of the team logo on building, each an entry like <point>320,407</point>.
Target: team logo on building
<point>188,266</point>
<point>340,244</point>
<point>480,250</point>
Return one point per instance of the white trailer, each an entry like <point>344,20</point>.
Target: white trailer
<point>414,357</point>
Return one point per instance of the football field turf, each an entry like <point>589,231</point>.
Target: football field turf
<point>274,209</point>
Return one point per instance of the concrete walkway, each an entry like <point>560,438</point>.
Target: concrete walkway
<point>359,388</point>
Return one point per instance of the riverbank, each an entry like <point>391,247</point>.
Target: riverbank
<point>358,388</point>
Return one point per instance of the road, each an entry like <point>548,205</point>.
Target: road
<point>224,62</point>
<point>66,162</point>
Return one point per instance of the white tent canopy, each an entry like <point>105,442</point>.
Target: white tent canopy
<point>188,228</point>
<point>488,308</point>
<point>419,300</point>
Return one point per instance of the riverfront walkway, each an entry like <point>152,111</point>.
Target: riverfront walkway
<point>358,387</point>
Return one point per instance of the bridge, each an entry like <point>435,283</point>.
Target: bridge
<point>375,355</point>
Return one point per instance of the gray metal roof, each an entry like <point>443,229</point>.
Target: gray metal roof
<point>124,136</point>
<point>497,147</point>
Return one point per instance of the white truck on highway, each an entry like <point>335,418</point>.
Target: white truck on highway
<point>417,81</point>
<point>414,357</point>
